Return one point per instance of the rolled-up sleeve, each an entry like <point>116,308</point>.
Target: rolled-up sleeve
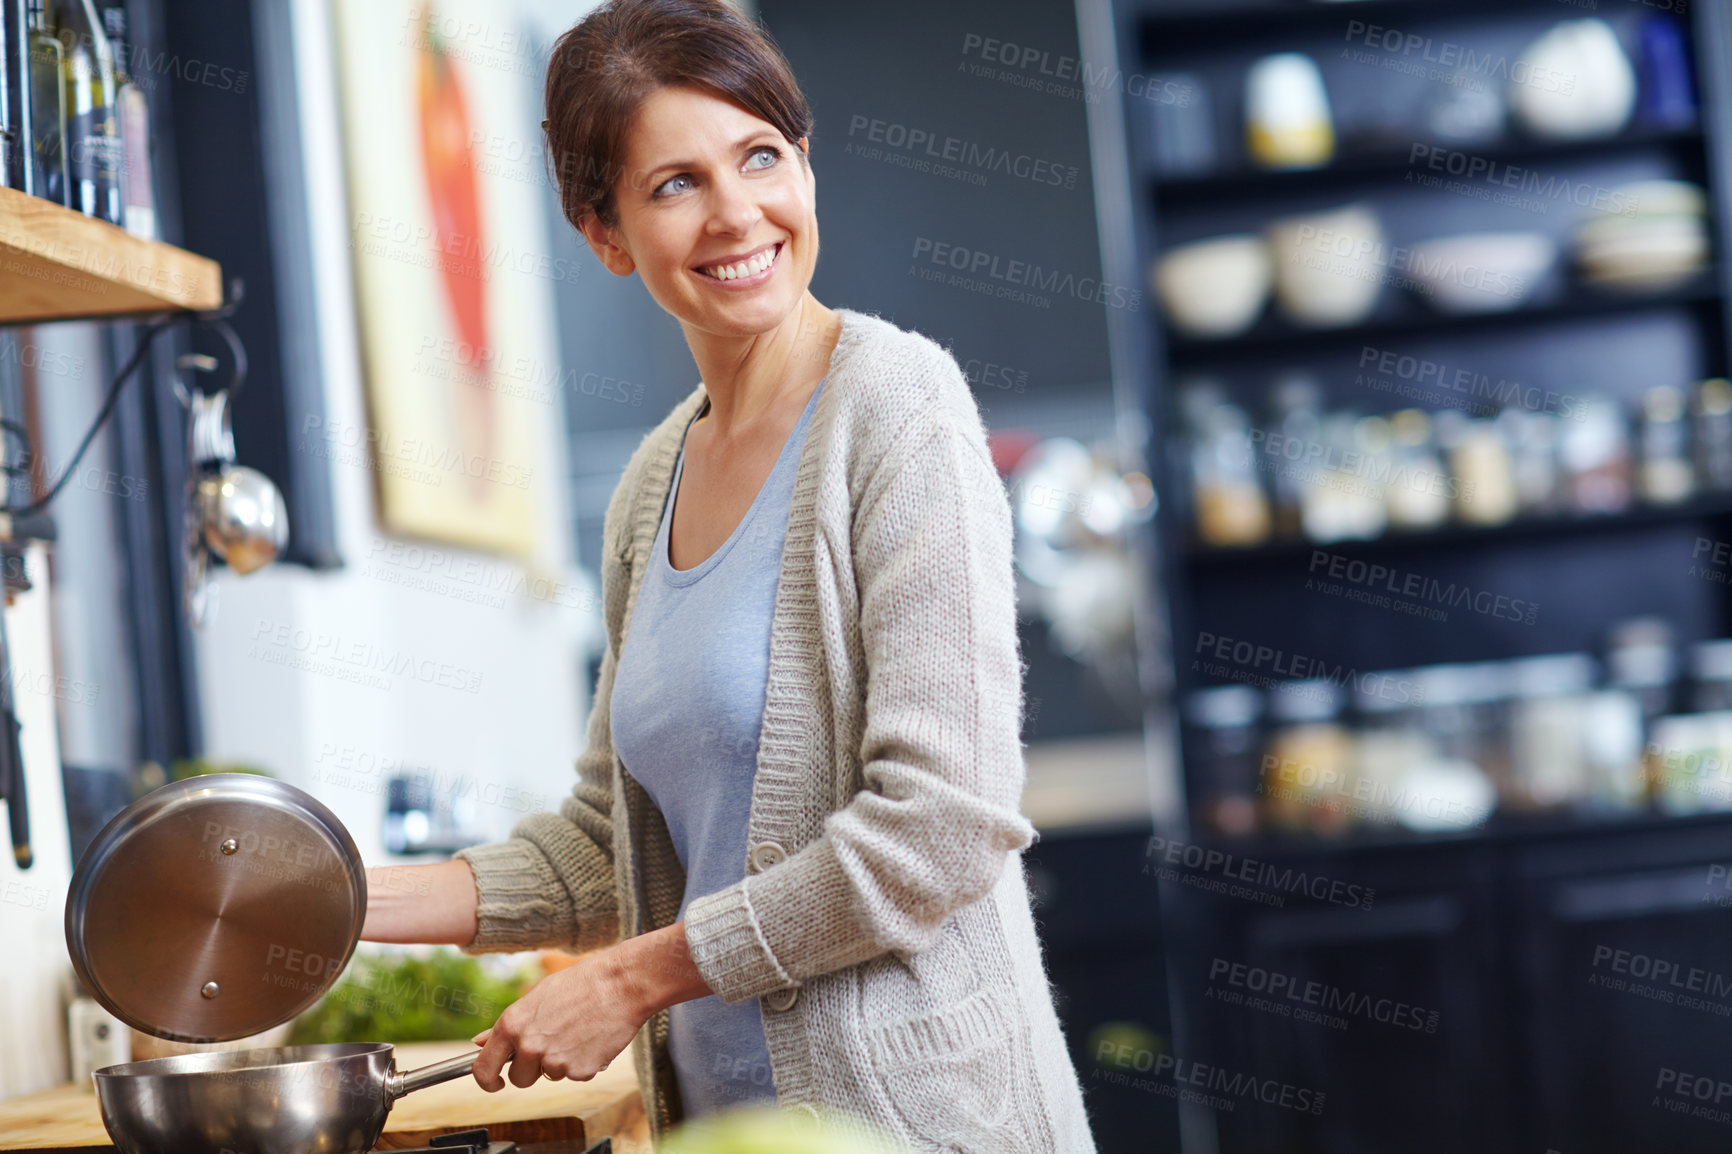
<point>941,751</point>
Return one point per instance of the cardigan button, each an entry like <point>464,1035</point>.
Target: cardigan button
<point>782,999</point>
<point>766,854</point>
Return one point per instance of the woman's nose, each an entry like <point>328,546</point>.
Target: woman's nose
<point>734,209</point>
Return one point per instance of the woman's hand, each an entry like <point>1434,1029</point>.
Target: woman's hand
<point>573,1023</point>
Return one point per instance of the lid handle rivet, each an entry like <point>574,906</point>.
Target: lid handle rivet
<point>230,846</point>
<point>209,989</point>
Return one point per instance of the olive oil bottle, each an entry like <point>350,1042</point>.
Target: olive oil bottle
<point>93,147</point>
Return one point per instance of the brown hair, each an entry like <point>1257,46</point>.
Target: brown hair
<point>605,67</point>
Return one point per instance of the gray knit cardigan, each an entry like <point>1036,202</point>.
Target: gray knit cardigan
<point>884,917</point>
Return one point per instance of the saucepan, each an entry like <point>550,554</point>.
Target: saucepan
<point>211,910</point>
<point>328,1099</point>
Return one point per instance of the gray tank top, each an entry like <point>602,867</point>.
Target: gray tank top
<point>687,707</point>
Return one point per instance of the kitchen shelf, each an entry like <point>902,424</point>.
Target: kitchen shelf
<point>1408,318</point>
<point>1500,827</point>
<point>1234,21</point>
<point>1210,189</point>
<point>1518,530</point>
<point>59,265</point>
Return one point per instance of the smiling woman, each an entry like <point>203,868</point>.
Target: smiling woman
<point>794,845</point>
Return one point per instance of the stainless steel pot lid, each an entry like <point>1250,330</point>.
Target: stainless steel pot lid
<point>215,907</point>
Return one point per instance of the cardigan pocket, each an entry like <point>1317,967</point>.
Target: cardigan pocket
<point>954,1076</point>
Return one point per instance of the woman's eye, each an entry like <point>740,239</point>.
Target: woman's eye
<point>667,185</point>
<point>768,150</point>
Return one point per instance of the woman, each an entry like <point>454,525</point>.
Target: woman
<point>794,842</point>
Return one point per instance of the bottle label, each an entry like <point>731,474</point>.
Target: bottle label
<point>94,151</point>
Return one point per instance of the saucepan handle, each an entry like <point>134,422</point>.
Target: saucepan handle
<point>397,1085</point>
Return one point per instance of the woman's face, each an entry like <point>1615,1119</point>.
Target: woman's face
<point>716,214</point>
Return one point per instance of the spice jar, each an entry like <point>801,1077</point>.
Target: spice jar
<point>1229,502</point>
<point>1713,434</point>
<point>1222,731</point>
<point>1308,767</point>
<point>1419,491</point>
<point>1666,475</point>
<point>1595,453</point>
<point>1485,482</point>
<point>1548,757</point>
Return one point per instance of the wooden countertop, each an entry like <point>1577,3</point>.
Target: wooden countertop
<point>67,1117</point>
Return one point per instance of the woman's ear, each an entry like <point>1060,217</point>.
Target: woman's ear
<point>601,242</point>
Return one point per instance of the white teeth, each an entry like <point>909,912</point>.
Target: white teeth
<point>756,264</point>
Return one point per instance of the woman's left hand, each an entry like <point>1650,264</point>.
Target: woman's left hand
<point>573,1023</point>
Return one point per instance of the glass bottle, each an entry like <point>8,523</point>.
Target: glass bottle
<point>137,192</point>
<point>1222,723</point>
<point>1451,790</point>
<point>92,131</point>
<point>1666,476</point>
<point>47,110</point>
<point>1391,741</point>
<point>1713,433</point>
<point>1296,405</point>
<point>1231,508</point>
<point>1533,446</point>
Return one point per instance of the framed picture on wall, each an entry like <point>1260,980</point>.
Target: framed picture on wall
<point>453,285</point>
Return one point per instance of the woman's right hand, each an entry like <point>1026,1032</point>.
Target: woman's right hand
<point>425,904</point>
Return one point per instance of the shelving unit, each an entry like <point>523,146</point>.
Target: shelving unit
<point>1251,589</point>
<point>60,265</point>
<point>1492,925</point>
<point>1455,536</point>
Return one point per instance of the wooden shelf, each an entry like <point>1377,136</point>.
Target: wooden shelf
<point>60,265</point>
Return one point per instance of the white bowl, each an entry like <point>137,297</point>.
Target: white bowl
<point>1329,266</point>
<point>1481,272</point>
<point>1214,288</point>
